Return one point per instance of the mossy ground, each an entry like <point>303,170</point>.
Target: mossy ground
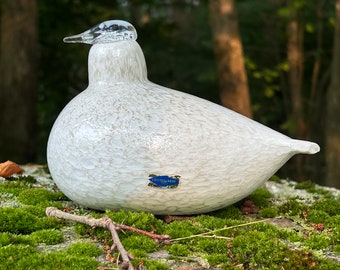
<point>286,233</point>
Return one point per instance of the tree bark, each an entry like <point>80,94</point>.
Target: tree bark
<point>298,127</point>
<point>232,77</point>
<point>18,79</point>
<point>333,111</point>
<point>295,60</point>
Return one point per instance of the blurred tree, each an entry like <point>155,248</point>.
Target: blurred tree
<point>18,79</point>
<point>333,111</point>
<point>232,75</point>
<point>295,55</point>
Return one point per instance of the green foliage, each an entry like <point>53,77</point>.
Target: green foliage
<point>337,248</point>
<point>307,185</point>
<point>260,197</point>
<point>334,222</point>
<point>330,206</point>
<point>269,212</point>
<point>292,208</point>
<point>256,246</point>
<point>218,259</point>
<point>275,179</point>
<point>230,212</point>
<point>36,196</point>
<point>85,230</point>
<point>84,249</point>
<point>317,216</point>
<point>178,229</point>
<point>310,187</point>
<point>27,179</point>
<point>7,238</point>
<point>257,249</point>
<point>212,223</point>
<point>319,241</point>
<point>144,221</point>
<point>155,265</point>
<point>14,187</point>
<point>56,260</point>
<point>10,255</point>
<point>139,242</point>
<point>17,220</point>
<point>210,245</point>
<point>48,237</point>
<point>178,250</point>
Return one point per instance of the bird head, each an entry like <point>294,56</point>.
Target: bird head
<point>105,32</point>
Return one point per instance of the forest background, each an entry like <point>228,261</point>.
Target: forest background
<point>277,61</point>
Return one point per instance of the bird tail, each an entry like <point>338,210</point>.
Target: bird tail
<point>305,147</point>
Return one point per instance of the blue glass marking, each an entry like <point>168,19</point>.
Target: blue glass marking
<point>164,181</point>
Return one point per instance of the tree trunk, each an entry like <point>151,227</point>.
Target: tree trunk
<point>232,76</point>
<point>298,128</point>
<point>18,79</point>
<point>295,60</point>
<point>333,111</point>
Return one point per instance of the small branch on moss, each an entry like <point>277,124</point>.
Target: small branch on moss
<point>106,222</point>
<point>205,234</point>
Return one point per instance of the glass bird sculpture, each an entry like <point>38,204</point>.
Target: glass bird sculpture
<point>127,143</point>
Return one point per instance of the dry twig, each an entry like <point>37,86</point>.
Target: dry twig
<point>206,234</point>
<point>106,222</point>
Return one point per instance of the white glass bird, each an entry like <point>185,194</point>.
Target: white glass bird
<point>127,143</point>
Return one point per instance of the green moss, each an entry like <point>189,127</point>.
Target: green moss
<point>267,228</point>
<point>317,216</point>
<point>138,253</point>
<point>258,250</point>
<point>310,187</point>
<point>49,223</point>
<point>56,260</point>
<point>7,238</point>
<point>292,208</point>
<point>256,246</point>
<point>260,197</point>
<point>179,250</point>
<point>178,229</point>
<point>13,187</point>
<point>230,212</point>
<point>97,232</point>
<point>137,241</point>
<point>36,196</point>
<point>333,222</point>
<point>269,212</point>
<point>155,265</point>
<point>18,256</point>
<point>18,220</point>
<point>217,259</point>
<point>337,248</point>
<point>212,223</point>
<point>144,221</point>
<point>318,241</point>
<point>11,254</point>
<point>210,245</point>
<point>330,206</point>
<point>275,179</point>
<point>84,249</point>
<point>48,237</point>
<point>23,178</point>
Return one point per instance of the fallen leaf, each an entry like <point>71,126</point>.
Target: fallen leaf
<point>9,168</point>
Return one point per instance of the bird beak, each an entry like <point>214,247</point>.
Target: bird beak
<point>85,37</point>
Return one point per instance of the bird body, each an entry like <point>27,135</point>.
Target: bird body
<point>127,143</point>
